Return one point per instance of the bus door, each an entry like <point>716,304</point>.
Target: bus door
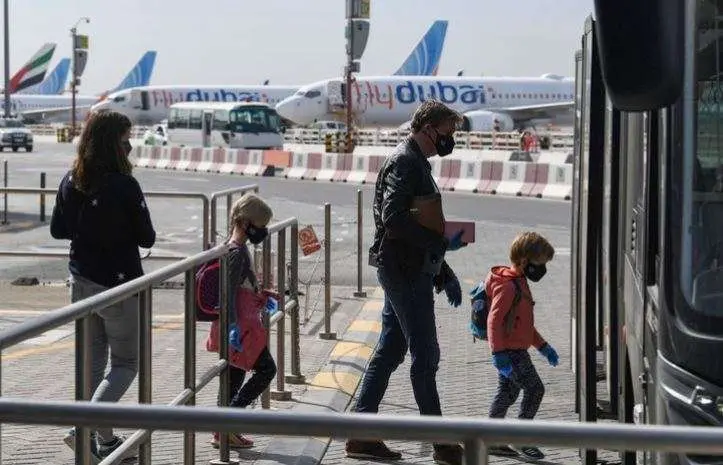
<point>586,259</point>
<point>207,124</point>
<point>145,101</point>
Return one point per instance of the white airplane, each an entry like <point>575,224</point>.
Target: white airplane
<point>150,104</point>
<point>390,101</point>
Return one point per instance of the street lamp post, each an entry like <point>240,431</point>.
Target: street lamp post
<point>6,92</point>
<point>74,81</point>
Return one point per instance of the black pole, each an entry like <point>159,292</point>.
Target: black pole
<point>7,60</point>
<point>42,198</point>
<point>73,82</point>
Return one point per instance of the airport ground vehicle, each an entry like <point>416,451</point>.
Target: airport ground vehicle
<point>14,135</point>
<point>647,238</point>
<point>245,125</point>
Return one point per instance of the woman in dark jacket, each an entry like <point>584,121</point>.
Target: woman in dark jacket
<point>101,209</point>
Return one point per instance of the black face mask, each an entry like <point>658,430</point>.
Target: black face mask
<point>535,272</point>
<point>444,144</point>
<point>256,235</point>
<point>127,147</point>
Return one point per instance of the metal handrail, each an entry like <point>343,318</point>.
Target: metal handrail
<point>475,433</point>
<point>31,328</point>
<point>149,194</point>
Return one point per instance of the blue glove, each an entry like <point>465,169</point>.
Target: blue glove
<point>548,351</point>
<point>234,338</point>
<point>453,291</point>
<point>501,361</point>
<point>455,242</point>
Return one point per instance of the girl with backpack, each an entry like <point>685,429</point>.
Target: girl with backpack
<point>247,341</point>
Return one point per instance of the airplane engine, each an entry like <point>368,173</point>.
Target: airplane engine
<point>484,121</point>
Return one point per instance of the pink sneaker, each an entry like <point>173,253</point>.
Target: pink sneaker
<point>235,441</point>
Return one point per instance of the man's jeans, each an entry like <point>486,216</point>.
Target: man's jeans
<point>407,323</point>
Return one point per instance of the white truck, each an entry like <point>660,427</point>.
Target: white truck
<point>14,134</point>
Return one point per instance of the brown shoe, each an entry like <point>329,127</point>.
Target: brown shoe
<point>370,450</point>
<point>448,454</point>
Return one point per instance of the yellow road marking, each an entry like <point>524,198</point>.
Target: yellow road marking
<point>365,325</point>
<point>351,349</point>
<point>345,382</point>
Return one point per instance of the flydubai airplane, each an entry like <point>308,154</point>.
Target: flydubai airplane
<point>32,72</point>
<point>57,108</point>
<point>54,83</point>
<point>150,105</point>
<point>390,101</point>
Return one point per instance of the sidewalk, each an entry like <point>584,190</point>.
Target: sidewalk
<point>43,368</point>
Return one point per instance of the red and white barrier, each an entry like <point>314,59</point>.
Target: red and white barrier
<point>463,173</point>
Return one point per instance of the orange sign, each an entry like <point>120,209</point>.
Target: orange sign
<point>308,241</point>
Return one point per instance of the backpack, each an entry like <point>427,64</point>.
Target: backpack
<point>481,310</point>
<point>207,291</point>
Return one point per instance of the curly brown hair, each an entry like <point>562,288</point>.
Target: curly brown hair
<point>100,150</point>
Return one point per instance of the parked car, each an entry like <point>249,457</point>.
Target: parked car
<point>15,135</point>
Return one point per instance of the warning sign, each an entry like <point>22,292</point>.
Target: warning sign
<point>308,241</point>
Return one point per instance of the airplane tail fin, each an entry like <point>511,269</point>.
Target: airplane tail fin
<point>141,73</point>
<point>32,72</point>
<point>54,84</point>
<point>424,59</point>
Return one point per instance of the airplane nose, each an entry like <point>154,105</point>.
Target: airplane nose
<point>293,109</point>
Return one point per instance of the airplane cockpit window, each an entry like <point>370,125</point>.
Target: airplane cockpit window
<point>119,98</point>
<point>702,229</point>
<point>313,94</point>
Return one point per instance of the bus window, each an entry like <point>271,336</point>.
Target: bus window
<point>194,119</point>
<point>180,119</point>
<point>701,270</point>
<point>220,120</point>
<point>254,119</point>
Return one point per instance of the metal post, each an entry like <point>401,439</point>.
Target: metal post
<point>145,365</point>
<point>266,284</point>
<point>5,195</point>
<point>6,20</point>
<point>73,82</point>
<point>475,452</point>
<point>189,360</point>
<point>224,379</point>
<point>281,393</point>
<point>82,386</point>
<point>42,198</point>
<point>212,224</point>
<point>206,244</point>
<point>327,334</point>
<point>229,206</point>
<point>348,72</point>
<point>359,243</point>
<point>296,377</point>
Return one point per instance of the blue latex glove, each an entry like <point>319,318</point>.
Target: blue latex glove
<point>234,338</point>
<point>501,361</point>
<point>550,353</point>
<point>455,242</point>
<point>453,291</point>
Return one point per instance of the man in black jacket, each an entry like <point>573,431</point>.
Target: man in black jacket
<point>410,264</point>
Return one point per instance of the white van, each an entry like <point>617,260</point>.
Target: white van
<point>243,125</point>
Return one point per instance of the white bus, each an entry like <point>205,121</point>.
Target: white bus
<point>243,125</point>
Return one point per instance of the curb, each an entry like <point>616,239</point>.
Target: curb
<point>333,387</point>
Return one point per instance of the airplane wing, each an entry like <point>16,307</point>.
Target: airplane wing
<point>547,110</point>
<point>49,113</point>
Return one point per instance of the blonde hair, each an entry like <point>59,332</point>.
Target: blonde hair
<point>250,208</point>
<point>532,247</point>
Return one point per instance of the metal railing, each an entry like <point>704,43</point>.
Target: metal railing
<point>150,194</point>
<point>79,312</point>
<point>228,193</point>
<point>475,434</point>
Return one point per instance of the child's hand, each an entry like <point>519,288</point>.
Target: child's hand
<point>548,351</point>
<point>503,363</point>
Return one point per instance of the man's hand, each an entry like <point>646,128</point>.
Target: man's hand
<point>455,242</point>
<point>453,291</point>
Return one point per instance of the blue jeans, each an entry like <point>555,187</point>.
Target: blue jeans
<point>407,324</point>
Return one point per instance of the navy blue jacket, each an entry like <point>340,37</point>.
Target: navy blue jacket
<point>105,228</point>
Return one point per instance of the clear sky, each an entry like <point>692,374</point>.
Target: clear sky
<point>295,42</point>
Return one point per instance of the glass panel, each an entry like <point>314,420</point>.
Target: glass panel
<point>254,119</point>
<point>702,233</point>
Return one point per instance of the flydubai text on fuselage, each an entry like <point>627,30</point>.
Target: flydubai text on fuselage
<point>150,104</point>
<point>392,100</point>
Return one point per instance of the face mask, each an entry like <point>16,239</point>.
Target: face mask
<point>256,235</point>
<point>535,272</point>
<point>127,147</point>
<point>444,144</point>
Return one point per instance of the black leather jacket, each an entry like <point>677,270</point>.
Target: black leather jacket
<point>405,174</point>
